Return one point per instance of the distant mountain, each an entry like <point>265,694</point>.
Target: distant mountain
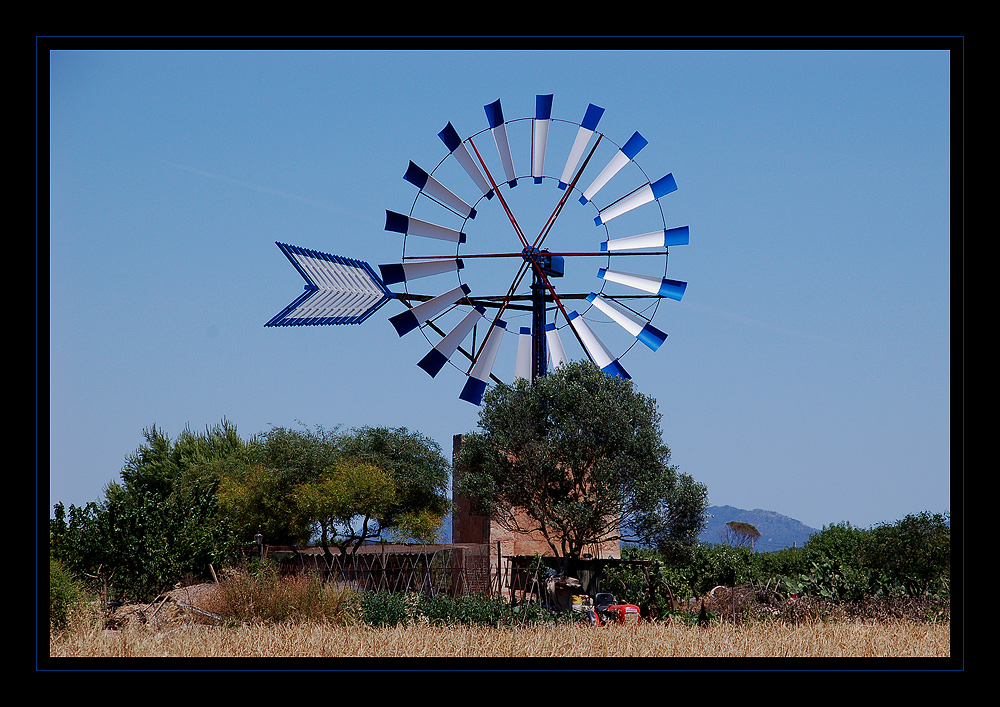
<point>776,531</point>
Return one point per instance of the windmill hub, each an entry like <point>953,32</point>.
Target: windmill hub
<point>551,265</point>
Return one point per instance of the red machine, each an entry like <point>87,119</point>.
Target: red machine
<point>610,611</point>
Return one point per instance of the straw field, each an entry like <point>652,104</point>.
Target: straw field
<point>247,617</point>
<point>648,640</point>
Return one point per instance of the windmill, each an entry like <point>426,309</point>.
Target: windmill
<point>467,319</point>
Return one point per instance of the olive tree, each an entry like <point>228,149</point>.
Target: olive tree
<point>577,456</point>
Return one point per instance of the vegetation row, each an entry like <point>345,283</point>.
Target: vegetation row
<point>572,450</point>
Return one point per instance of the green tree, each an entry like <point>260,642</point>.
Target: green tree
<point>914,553</point>
<point>159,525</point>
<point>837,542</point>
<point>157,466</point>
<point>740,534</point>
<point>257,489</point>
<point>420,474</point>
<point>577,456</point>
<point>66,595</point>
<point>343,488</point>
<point>346,501</point>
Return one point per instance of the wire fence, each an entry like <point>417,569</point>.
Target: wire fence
<point>450,570</point>
<point>455,570</point>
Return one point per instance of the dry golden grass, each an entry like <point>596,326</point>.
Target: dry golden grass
<point>720,640</point>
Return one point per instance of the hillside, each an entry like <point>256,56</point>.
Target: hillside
<point>776,530</point>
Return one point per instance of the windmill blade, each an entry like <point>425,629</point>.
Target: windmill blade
<point>634,325</point>
<point>393,273</point>
<point>400,223</point>
<point>428,184</point>
<point>456,146</point>
<point>596,348</point>
<point>338,290</point>
<point>643,195</point>
<point>674,289</point>
<point>442,352</point>
<point>621,158</point>
<point>483,367</point>
<point>539,135</point>
<point>494,116</point>
<point>522,368</point>
<point>556,351</point>
<point>583,135</point>
<point>655,239</point>
<point>412,318</point>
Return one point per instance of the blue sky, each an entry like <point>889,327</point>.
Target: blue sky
<point>808,368</point>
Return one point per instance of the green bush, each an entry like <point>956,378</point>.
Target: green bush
<point>65,595</point>
<point>712,565</point>
<point>911,557</point>
<point>380,609</point>
<point>469,610</point>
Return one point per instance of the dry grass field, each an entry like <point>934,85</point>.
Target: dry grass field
<point>897,639</point>
<point>306,619</point>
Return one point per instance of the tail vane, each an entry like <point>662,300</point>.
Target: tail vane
<point>338,290</point>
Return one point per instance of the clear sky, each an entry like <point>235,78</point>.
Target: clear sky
<point>808,368</point>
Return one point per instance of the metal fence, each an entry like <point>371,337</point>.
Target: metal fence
<point>452,570</point>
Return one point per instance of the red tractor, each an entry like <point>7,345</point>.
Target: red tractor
<point>610,611</point>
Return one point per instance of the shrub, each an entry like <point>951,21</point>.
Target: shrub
<point>474,610</point>
<point>383,608</point>
<point>913,555</point>
<point>65,595</point>
<point>262,596</point>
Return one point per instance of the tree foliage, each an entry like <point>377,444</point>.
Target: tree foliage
<point>342,488</point>
<point>577,456</point>
<point>914,553</point>
<point>419,472</point>
<point>740,534</point>
<point>160,524</point>
<point>257,490</point>
<point>910,558</point>
<point>184,505</point>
